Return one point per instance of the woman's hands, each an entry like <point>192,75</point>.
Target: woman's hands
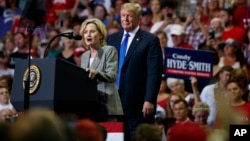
<point>92,72</point>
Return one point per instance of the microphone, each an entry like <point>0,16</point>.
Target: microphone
<point>71,35</point>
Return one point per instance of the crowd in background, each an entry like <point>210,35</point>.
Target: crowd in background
<point>220,26</point>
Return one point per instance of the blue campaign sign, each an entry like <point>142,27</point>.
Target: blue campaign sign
<point>183,63</point>
<point>6,20</point>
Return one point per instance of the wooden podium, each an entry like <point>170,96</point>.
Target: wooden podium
<point>55,84</point>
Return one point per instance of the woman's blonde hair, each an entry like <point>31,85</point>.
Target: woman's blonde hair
<point>99,26</point>
<point>200,106</point>
<point>169,111</point>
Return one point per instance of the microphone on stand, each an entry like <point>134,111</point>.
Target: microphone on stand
<point>69,35</point>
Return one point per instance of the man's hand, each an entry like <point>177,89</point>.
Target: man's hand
<point>148,109</point>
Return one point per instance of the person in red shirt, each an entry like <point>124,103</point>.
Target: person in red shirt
<point>163,96</point>
<point>180,109</point>
<point>184,128</point>
<point>189,131</point>
<point>238,110</point>
<point>61,5</point>
<point>178,37</point>
<point>230,30</point>
<point>146,19</point>
<point>55,8</point>
<point>241,16</point>
<point>235,93</point>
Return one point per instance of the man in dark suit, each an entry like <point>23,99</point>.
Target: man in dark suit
<point>139,75</point>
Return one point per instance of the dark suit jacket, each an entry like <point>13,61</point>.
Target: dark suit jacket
<point>141,72</point>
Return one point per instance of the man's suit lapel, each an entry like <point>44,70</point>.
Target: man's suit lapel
<point>133,45</point>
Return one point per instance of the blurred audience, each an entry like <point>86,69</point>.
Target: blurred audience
<point>147,132</point>
<point>211,10</point>
<point>162,97</point>
<point>88,130</point>
<point>235,93</point>
<point>77,55</point>
<point>40,124</point>
<point>67,49</point>
<point>195,31</point>
<point>233,56</point>
<point>22,43</point>
<point>178,37</point>
<point>214,39</point>
<point>170,104</point>
<point>212,25</point>
<point>55,46</point>
<point>201,112</point>
<point>176,133</point>
<point>163,41</point>
<point>146,19</point>
<point>210,92</point>
<point>230,30</point>
<point>239,19</point>
<point>181,110</point>
<point>156,8</point>
<point>177,86</point>
<point>4,61</point>
<point>9,43</point>
<point>185,132</point>
<point>161,124</point>
<point>6,80</point>
<point>240,76</point>
<point>246,46</point>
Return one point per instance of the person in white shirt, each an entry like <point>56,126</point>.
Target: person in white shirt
<point>7,111</point>
<point>210,92</point>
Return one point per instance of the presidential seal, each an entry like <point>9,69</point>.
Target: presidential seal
<point>35,77</point>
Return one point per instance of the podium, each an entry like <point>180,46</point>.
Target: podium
<point>55,84</point>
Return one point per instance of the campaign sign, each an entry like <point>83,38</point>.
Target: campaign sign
<point>183,63</point>
<point>239,133</point>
